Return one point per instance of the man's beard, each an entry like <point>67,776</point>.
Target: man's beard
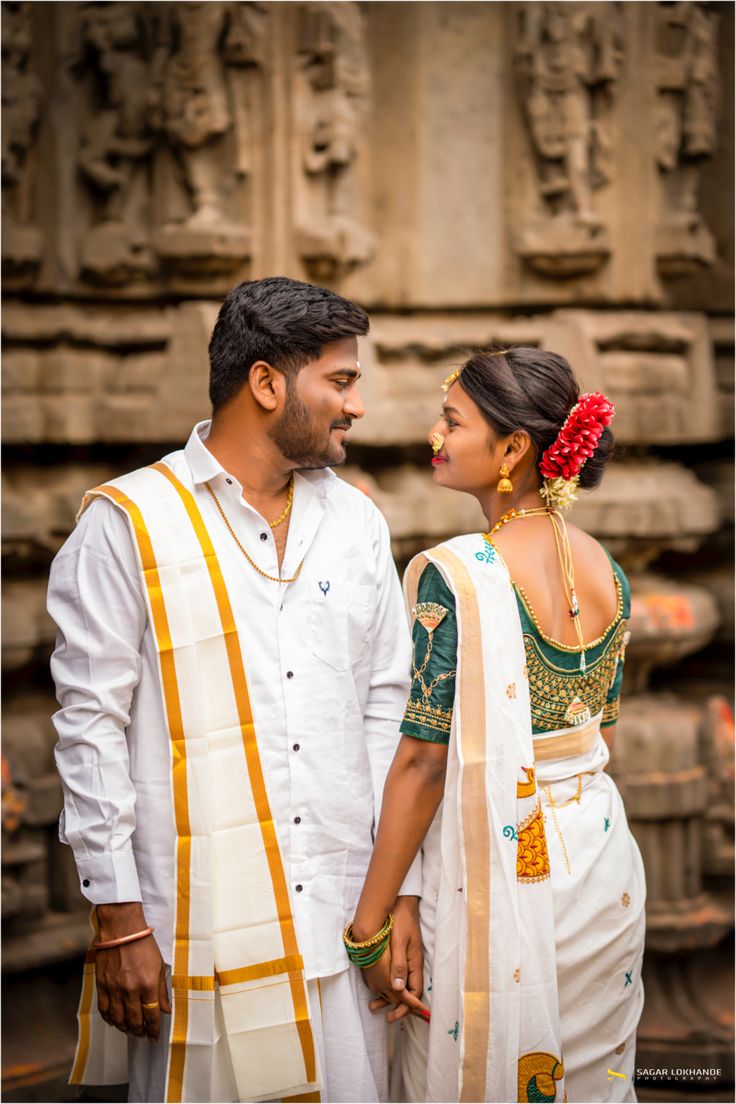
<point>299,439</point>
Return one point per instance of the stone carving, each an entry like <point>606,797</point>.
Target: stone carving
<point>21,100</point>
<point>686,81</point>
<point>204,58</point>
<point>568,57</point>
<point>332,96</point>
<point>116,144</point>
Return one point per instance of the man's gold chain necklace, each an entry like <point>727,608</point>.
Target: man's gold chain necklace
<point>231,531</point>
<point>284,513</point>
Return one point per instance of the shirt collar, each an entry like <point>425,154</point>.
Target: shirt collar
<point>204,465</point>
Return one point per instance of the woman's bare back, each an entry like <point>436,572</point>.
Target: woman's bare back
<point>527,546</point>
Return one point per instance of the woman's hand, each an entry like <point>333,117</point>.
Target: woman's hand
<point>396,978</point>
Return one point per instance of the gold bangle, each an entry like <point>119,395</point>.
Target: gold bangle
<point>347,935</point>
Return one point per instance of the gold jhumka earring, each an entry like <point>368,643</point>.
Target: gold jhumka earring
<point>505,486</point>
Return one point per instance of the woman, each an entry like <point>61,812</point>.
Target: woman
<point>532,910</point>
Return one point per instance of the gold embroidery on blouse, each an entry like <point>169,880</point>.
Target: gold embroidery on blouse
<point>421,713</point>
<point>553,689</point>
<point>429,615</point>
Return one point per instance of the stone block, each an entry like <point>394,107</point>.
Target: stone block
<point>669,620</point>
<point>65,894</point>
<point>645,507</point>
<point>663,784</point>
<point>40,504</point>
<point>25,860</point>
<point>29,736</point>
<point>44,800</point>
<point>657,368</point>
<point>106,374</point>
<point>719,475</point>
<point>418,513</point>
<point>28,628</point>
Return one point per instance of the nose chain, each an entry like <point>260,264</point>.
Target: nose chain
<point>231,531</point>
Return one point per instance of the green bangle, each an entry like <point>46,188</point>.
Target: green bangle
<point>369,951</point>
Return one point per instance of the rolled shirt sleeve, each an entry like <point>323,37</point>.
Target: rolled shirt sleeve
<point>95,599</point>
<point>389,686</point>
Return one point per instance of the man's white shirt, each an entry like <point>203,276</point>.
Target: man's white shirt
<point>327,659</point>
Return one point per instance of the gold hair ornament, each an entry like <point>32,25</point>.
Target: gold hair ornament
<point>453,376</point>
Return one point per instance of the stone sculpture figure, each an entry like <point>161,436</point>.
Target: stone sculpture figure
<point>202,51</point>
<point>569,57</point>
<point>116,144</point>
<point>685,123</point>
<point>21,102</point>
<point>333,92</point>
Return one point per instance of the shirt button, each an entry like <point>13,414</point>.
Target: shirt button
<point>228,480</point>
<point>297,820</point>
<point>296,747</point>
<point>85,883</point>
<point>289,674</point>
<point>264,536</point>
<point>299,888</point>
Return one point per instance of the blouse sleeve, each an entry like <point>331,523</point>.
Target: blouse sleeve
<point>611,708</point>
<point>428,714</point>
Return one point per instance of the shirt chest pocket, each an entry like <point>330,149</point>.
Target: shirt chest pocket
<point>339,622</point>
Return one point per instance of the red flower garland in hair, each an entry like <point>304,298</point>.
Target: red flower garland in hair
<point>578,439</point>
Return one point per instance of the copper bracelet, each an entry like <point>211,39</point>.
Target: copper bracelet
<point>123,939</point>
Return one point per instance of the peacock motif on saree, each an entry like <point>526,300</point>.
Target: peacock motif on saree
<point>539,1073</point>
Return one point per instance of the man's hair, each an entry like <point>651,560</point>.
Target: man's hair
<point>284,322</point>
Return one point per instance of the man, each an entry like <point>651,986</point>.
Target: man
<point>232,667</point>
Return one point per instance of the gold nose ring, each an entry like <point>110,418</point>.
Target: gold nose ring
<point>436,441</point>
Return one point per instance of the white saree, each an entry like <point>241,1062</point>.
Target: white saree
<point>241,1011</point>
<point>532,908</point>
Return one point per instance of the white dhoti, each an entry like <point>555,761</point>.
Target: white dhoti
<point>350,1039</point>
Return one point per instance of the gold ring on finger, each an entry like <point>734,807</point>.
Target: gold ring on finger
<point>151,1004</point>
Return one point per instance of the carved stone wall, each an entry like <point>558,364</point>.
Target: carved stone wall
<point>554,174</point>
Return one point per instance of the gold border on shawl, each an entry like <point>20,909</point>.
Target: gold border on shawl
<point>289,965</point>
<point>255,771</point>
<point>85,1005</point>
<point>568,746</point>
<point>476,832</point>
<point>179,776</point>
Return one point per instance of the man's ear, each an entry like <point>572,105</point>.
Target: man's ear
<point>267,385</point>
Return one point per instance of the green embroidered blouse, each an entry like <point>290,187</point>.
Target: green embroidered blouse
<point>558,689</point>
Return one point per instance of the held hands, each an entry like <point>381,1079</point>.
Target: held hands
<point>396,978</point>
<point>131,980</point>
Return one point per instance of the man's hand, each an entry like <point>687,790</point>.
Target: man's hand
<point>130,976</point>
<point>398,976</point>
